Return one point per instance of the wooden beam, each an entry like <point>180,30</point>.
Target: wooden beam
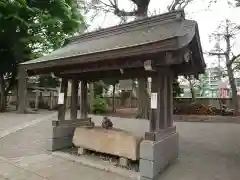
<point>95,76</point>
<point>74,98</point>
<point>62,107</point>
<point>162,59</point>
<point>108,66</point>
<point>187,69</point>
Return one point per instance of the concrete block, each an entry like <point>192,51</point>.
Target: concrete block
<point>147,168</point>
<point>151,150</point>
<point>152,168</point>
<point>147,150</point>
<point>111,141</point>
<point>62,131</point>
<point>59,143</point>
<point>156,156</point>
<point>146,178</point>
<point>61,137</point>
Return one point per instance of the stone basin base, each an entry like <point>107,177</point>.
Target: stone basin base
<point>110,141</point>
<point>157,155</point>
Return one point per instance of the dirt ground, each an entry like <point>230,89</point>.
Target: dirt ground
<point>124,113</point>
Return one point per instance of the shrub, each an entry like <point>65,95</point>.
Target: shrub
<point>99,105</point>
<point>32,104</point>
<point>124,96</point>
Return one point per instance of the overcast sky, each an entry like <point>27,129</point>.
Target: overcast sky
<point>208,19</point>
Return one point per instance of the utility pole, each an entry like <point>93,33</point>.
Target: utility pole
<point>227,37</point>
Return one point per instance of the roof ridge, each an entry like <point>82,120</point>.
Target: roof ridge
<point>174,15</point>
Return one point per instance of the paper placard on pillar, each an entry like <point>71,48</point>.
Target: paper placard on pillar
<point>153,100</point>
<point>61,98</point>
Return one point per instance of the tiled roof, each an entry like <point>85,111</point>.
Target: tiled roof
<point>130,35</point>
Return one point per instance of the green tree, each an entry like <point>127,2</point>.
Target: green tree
<point>227,32</point>
<point>177,90</point>
<point>48,81</point>
<point>237,3</point>
<point>98,88</point>
<point>112,82</point>
<point>30,28</point>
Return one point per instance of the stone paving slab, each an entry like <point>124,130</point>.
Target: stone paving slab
<point>9,119</point>
<point>208,151</point>
<point>48,167</point>
<point>11,122</point>
<point>2,178</point>
<point>26,176</point>
<point>10,171</point>
<point>25,161</point>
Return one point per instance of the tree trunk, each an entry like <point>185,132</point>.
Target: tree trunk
<point>113,98</point>
<point>192,91</point>
<point>234,89</point>
<point>193,94</point>
<point>3,98</point>
<point>230,71</point>
<point>143,96</point>
<point>143,99</point>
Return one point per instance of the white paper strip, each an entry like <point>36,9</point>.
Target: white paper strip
<point>153,100</point>
<point>61,98</point>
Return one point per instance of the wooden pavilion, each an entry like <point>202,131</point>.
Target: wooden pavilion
<point>168,43</point>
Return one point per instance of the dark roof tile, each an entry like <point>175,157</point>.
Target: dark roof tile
<point>141,32</point>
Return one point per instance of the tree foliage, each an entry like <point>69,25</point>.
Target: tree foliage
<point>113,82</point>
<point>30,28</point>
<point>48,81</point>
<point>226,32</point>
<point>177,90</point>
<point>237,3</point>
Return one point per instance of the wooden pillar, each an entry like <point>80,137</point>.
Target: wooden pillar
<point>62,107</point>
<point>51,99</point>
<point>22,90</point>
<point>161,117</point>
<point>83,99</point>
<point>170,100</point>
<point>153,115</point>
<point>91,97</point>
<point>74,99</point>
<point>162,98</point>
<point>161,112</point>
